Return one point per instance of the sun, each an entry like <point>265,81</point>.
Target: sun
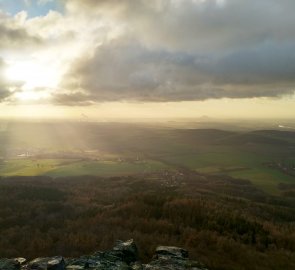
<point>36,78</point>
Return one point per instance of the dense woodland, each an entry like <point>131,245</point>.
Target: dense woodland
<point>225,223</point>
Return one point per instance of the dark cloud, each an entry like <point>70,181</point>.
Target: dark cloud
<point>199,25</point>
<point>268,63</point>
<point>124,69</point>
<point>187,50</point>
<point>16,38</point>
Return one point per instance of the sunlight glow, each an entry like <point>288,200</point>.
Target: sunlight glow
<point>31,95</point>
<point>32,74</point>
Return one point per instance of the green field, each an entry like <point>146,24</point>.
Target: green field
<point>237,162</point>
<point>263,177</point>
<point>222,160</point>
<point>26,167</point>
<point>240,154</point>
<point>57,167</point>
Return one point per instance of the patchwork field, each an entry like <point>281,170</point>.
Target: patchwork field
<point>265,157</point>
<point>237,163</point>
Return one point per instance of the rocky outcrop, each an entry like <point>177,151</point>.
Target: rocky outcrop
<point>124,256</point>
<point>171,258</point>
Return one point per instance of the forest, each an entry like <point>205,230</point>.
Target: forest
<point>225,223</point>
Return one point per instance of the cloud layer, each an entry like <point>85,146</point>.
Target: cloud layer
<point>163,50</point>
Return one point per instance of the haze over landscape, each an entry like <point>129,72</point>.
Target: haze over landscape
<point>170,122</point>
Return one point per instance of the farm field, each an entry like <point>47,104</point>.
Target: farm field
<point>63,167</point>
<point>238,164</point>
<point>111,149</point>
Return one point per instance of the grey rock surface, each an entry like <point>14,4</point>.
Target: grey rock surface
<point>9,264</point>
<point>124,256</point>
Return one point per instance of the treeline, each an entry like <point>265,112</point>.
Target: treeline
<point>225,223</point>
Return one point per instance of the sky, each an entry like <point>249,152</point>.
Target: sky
<point>147,59</point>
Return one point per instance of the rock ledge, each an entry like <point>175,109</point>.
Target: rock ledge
<point>124,256</point>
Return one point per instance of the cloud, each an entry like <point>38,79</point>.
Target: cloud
<point>124,69</point>
<point>162,50</point>
<point>268,63</point>
<point>203,25</point>
<point>73,99</point>
<point>13,33</point>
<point>15,38</point>
<point>169,50</point>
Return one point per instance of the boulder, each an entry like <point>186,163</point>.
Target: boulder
<point>52,263</point>
<point>172,258</point>
<point>172,252</point>
<point>20,261</point>
<point>119,258</point>
<point>56,263</point>
<point>127,251</point>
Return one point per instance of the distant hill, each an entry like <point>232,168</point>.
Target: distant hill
<point>285,135</point>
<point>204,135</point>
<point>255,137</point>
<point>216,136</point>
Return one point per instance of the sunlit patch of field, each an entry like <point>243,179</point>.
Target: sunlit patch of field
<point>264,177</point>
<point>236,163</point>
<point>62,167</point>
<point>28,167</point>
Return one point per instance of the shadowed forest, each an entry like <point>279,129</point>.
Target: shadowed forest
<point>224,222</point>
